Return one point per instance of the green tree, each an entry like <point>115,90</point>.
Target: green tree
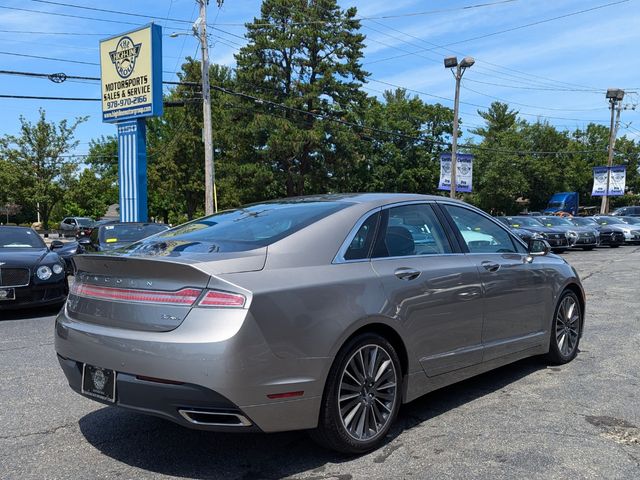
<point>498,119</point>
<point>304,54</point>
<point>407,160</point>
<point>39,155</point>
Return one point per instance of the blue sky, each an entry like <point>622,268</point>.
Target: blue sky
<point>556,70</point>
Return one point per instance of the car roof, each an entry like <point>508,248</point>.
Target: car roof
<point>370,199</point>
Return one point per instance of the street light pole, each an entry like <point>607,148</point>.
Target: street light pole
<point>454,139</point>
<point>210,196</point>
<point>451,62</point>
<point>614,95</point>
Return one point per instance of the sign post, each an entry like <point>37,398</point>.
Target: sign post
<point>131,80</point>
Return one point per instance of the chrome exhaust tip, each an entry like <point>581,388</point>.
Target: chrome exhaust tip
<point>219,419</point>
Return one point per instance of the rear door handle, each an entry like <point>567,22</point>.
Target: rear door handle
<point>490,266</point>
<point>406,273</point>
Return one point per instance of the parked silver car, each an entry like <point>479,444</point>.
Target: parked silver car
<point>323,313</point>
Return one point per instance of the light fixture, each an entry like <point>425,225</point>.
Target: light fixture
<point>451,62</point>
<point>467,62</point>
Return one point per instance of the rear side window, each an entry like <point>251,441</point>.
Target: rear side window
<point>480,234</point>
<point>410,230</point>
<point>363,239</point>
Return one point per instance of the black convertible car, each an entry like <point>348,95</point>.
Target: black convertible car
<point>30,274</point>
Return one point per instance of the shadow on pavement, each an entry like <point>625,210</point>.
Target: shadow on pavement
<point>30,313</point>
<point>160,446</point>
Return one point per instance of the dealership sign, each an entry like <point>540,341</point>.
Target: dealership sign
<point>131,74</point>
<point>464,172</point>
<point>608,181</point>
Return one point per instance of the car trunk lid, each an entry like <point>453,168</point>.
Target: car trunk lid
<point>147,294</point>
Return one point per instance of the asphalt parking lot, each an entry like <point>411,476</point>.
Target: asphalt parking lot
<point>526,420</point>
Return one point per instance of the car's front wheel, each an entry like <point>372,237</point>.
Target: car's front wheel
<point>362,395</point>
<point>566,329</point>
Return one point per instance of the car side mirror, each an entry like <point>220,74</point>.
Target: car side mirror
<point>84,241</point>
<point>56,244</point>
<point>538,247</point>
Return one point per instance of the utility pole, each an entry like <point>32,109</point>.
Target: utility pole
<point>210,196</point>
<point>614,95</point>
<point>452,62</point>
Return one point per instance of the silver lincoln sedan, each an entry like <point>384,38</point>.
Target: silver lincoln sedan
<point>323,313</point>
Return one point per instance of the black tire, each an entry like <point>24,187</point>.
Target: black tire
<point>566,329</point>
<point>587,249</point>
<point>614,246</point>
<point>331,432</point>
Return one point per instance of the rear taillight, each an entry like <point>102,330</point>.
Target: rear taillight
<point>214,298</point>
<point>186,296</point>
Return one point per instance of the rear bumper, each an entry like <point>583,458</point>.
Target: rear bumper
<point>167,400</point>
<point>220,358</point>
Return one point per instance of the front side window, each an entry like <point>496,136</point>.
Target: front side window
<point>480,234</point>
<point>411,230</point>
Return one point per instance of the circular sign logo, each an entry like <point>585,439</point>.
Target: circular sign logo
<point>99,379</point>
<point>124,56</point>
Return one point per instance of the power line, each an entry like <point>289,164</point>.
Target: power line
<point>511,102</point>
<point>476,105</point>
<point>34,97</point>
<point>66,60</point>
<point>523,75</point>
<point>499,32</point>
<point>62,77</point>
<point>311,22</point>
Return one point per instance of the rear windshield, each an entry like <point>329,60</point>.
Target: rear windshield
<point>246,228</point>
<point>85,222</point>
<point>128,233</point>
<point>11,237</point>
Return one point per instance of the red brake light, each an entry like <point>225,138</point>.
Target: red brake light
<point>214,298</point>
<point>186,296</point>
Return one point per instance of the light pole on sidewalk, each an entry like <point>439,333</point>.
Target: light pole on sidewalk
<point>452,63</point>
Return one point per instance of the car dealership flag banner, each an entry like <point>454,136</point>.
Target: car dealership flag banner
<point>617,179</point>
<point>599,181</point>
<point>464,172</point>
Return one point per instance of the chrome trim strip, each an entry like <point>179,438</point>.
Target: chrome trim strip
<point>244,421</point>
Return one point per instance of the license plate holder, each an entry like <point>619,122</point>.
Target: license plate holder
<point>99,382</point>
<point>7,294</point>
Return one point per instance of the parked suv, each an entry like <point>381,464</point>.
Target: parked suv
<point>70,226</point>
<point>630,211</point>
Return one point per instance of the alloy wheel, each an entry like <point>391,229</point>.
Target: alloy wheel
<point>567,326</point>
<point>367,392</point>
